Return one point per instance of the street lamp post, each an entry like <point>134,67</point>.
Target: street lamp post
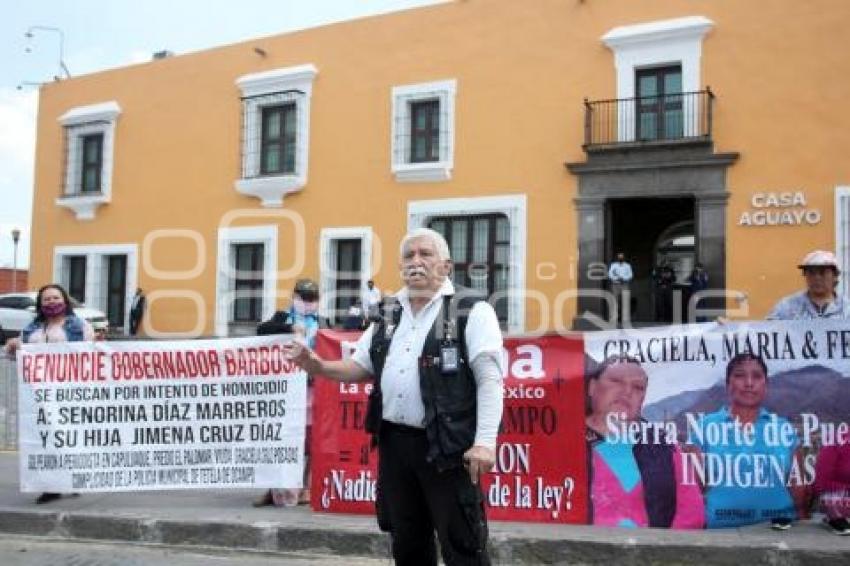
<point>16,235</point>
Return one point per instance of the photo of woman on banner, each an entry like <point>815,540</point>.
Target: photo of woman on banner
<point>634,482</point>
<point>748,454</point>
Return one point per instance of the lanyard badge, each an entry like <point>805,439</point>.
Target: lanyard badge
<point>448,351</point>
<point>448,358</point>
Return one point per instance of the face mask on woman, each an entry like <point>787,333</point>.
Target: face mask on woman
<point>305,308</point>
<point>53,309</point>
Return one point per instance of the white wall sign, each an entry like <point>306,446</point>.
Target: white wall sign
<point>779,208</point>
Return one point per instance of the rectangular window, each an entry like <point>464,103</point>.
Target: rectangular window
<point>277,147</point>
<point>75,270</point>
<point>91,166</point>
<point>480,251</point>
<point>659,103</point>
<point>424,131</point>
<point>347,280</point>
<point>248,282</point>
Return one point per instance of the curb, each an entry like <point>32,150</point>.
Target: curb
<point>509,545</point>
<point>260,536</point>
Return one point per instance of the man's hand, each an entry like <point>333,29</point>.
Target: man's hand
<point>478,460</point>
<point>303,356</point>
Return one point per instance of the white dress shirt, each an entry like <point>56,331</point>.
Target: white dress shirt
<point>400,379</point>
<point>373,297</point>
<point>620,272</point>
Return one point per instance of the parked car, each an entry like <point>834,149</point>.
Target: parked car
<point>18,309</point>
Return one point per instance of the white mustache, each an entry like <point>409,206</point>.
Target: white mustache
<point>410,271</point>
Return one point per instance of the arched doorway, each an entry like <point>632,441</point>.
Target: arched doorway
<point>677,246</point>
<point>641,228</point>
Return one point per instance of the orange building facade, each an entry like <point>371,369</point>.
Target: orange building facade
<point>540,137</point>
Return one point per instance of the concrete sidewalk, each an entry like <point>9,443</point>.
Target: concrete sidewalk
<point>225,519</point>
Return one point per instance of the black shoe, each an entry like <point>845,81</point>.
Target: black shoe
<point>839,526</point>
<point>780,524</point>
<point>47,497</point>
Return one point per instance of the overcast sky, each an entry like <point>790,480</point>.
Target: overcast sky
<point>101,34</point>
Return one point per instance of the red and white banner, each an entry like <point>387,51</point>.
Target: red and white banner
<point>127,416</point>
<point>541,460</point>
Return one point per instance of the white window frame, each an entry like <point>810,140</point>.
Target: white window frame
<point>95,284</point>
<point>327,261</point>
<point>282,85</point>
<point>654,44</point>
<point>82,121</point>
<point>842,237</point>
<point>224,292</point>
<point>419,213</point>
<point>402,97</point>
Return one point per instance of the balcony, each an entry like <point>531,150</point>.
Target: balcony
<point>648,120</point>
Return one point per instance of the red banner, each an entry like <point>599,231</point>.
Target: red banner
<point>541,456</point>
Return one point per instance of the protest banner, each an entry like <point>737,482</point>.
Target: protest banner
<point>540,470</point>
<point>655,434</point>
<point>713,425</point>
<point>126,416</point>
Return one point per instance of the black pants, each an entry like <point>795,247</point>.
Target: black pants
<point>417,499</point>
<point>134,324</point>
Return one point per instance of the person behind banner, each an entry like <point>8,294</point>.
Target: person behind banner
<point>137,311</point>
<point>374,298</point>
<point>818,299</point>
<point>54,322</point>
<point>832,485</point>
<point>748,455</point>
<point>633,483</point>
<point>663,279</point>
<point>436,358</point>
<point>303,320</point>
<point>354,319</point>
<point>698,280</point>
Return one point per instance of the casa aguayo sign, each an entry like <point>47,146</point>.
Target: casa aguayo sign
<point>780,208</point>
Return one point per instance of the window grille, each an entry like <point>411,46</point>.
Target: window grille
<point>254,109</point>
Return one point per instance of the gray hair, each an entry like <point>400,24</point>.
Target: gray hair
<point>437,238</point>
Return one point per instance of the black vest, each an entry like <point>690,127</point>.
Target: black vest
<point>450,398</point>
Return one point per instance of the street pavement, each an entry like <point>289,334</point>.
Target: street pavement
<point>219,520</point>
<point>38,551</point>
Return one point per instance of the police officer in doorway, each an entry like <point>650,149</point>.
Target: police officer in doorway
<point>435,358</point>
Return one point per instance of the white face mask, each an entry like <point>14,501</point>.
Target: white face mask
<point>303,307</point>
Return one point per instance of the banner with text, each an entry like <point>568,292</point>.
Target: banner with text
<point>126,416</point>
<point>712,425</point>
<point>541,462</point>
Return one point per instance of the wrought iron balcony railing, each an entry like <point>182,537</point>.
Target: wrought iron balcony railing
<point>681,116</point>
